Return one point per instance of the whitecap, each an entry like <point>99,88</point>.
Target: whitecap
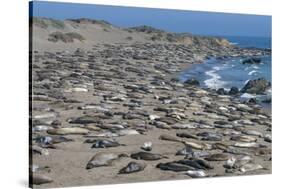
<point>247,68</point>
<point>247,96</point>
<point>216,68</point>
<point>253,72</point>
<point>255,67</point>
<point>246,81</point>
<point>214,82</point>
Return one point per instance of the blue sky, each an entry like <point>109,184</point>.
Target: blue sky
<point>204,23</point>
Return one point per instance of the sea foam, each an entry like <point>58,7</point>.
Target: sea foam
<point>214,82</point>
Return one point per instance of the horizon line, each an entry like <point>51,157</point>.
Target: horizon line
<point>186,32</point>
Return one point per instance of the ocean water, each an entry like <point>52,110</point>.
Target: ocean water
<point>231,72</point>
<point>258,42</point>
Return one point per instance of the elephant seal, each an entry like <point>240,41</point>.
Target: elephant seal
<point>210,136</point>
<point>229,164</point>
<point>253,133</point>
<point>196,163</point>
<point>196,173</point>
<point>147,156</point>
<point>68,131</point>
<point>186,151</point>
<point>186,135</point>
<point>202,162</point>
<point>170,138</point>
<point>219,146</point>
<point>250,167</point>
<point>103,159</point>
<point>218,157</point>
<point>147,146</point>
<point>132,167</point>
<point>39,150</point>
<point>198,146</point>
<point>197,154</point>
<point>40,179</point>
<point>173,166</point>
<point>246,145</point>
<point>243,138</point>
<point>46,140</point>
<point>235,163</point>
<point>105,144</point>
<point>268,138</point>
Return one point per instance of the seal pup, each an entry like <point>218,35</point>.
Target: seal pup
<point>147,156</point>
<point>229,164</point>
<point>187,151</point>
<point>103,159</point>
<point>268,138</point>
<point>147,146</point>
<point>40,179</point>
<point>132,167</point>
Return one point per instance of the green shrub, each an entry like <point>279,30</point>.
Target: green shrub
<point>39,22</point>
<point>57,24</point>
<point>65,37</point>
<point>74,35</point>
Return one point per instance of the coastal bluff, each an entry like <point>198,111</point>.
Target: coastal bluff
<point>83,33</point>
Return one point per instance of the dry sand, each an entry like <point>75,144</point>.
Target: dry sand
<point>68,161</point>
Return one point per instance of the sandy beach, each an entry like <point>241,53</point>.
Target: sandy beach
<point>121,85</point>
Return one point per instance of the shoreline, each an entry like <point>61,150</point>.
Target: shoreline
<point>182,78</point>
<point>123,88</point>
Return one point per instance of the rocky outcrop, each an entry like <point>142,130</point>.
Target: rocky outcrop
<point>221,91</point>
<point>233,91</point>
<point>256,86</point>
<point>192,81</point>
<point>252,61</point>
